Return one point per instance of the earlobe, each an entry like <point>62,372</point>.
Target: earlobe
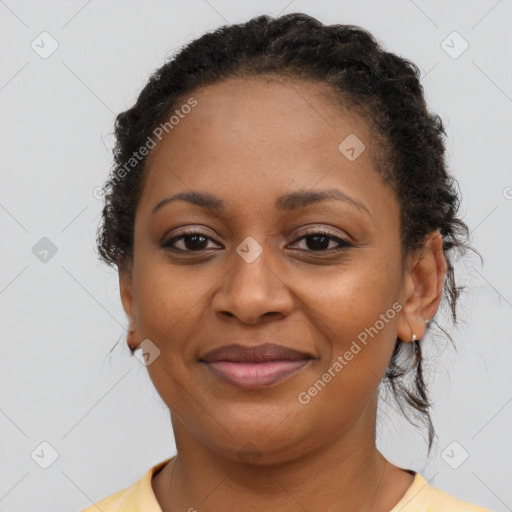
<point>424,287</point>
<point>130,337</point>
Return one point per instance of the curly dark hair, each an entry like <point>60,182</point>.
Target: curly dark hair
<point>381,86</point>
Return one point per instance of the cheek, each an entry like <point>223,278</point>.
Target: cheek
<point>356,310</point>
<point>358,319</point>
<point>353,294</point>
<point>168,298</point>
<point>170,306</point>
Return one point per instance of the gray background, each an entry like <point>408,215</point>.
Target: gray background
<point>61,315</point>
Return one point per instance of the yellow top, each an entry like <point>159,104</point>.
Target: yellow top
<point>419,497</point>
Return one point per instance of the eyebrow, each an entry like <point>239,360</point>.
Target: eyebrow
<point>286,202</point>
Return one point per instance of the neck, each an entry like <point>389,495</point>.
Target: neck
<point>346,474</point>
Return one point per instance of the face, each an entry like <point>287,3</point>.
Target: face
<point>260,263</point>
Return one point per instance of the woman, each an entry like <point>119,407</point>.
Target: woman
<point>282,220</point>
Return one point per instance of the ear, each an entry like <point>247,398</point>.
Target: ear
<point>425,273</point>
<point>126,292</point>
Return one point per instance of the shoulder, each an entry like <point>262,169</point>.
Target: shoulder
<point>441,501</point>
<point>136,498</point>
<point>125,500</point>
<point>422,497</point>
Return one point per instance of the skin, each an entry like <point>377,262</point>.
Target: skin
<point>248,142</point>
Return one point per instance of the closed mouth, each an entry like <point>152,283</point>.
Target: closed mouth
<point>255,367</point>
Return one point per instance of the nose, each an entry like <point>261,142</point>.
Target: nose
<point>253,291</point>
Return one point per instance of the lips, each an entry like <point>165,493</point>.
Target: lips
<point>258,354</point>
<point>255,367</point>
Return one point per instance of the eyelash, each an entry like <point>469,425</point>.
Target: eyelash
<point>343,244</point>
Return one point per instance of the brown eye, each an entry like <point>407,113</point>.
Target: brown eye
<point>191,241</point>
<point>319,241</point>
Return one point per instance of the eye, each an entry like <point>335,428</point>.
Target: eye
<point>192,241</point>
<point>320,239</point>
<point>197,241</point>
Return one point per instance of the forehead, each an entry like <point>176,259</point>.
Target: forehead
<point>265,135</point>
<point>276,111</point>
